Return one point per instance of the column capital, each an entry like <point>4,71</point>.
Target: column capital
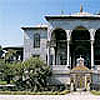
<point>92,30</point>
<point>68,32</point>
<point>92,33</point>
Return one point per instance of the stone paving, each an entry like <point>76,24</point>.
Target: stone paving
<point>71,96</point>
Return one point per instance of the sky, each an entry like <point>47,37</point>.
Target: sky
<point>15,14</point>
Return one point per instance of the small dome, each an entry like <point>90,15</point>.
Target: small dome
<point>80,68</point>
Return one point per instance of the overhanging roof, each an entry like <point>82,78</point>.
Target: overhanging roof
<point>13,47</point>
<point>77,16</point>
<point>35,27</point>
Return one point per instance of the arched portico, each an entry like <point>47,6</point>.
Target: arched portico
<point>80,45</point>
<point>67,45</point>
<point>58,47</point>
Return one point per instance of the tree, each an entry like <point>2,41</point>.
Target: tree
<point>35,74</point>
<point>31,74</point>
<point>6,71</point>
<point>2,68</point>
<point>9,56</point>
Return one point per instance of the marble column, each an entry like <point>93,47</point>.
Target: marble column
<point>92,54</point>
<point>49,32</point>
<point>68,33</point>
<point>48,56</point>
<point>52,52</point>
<point>92,34</point>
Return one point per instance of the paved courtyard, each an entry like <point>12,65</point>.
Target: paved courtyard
<point>72,96</point>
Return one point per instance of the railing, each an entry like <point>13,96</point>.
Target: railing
<point>59,67</point>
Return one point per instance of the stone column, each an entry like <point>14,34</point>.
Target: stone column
<point>68,33</point>
<point>52,52</point>
<point>48,56</point>
<point>48,43</point>
<point>92,54</point>
<point>92,34</point>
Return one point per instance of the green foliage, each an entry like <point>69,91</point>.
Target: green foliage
<point>33,75</point>
<point>3,82</point>
<point>6,71</point>
<point>30,75</point>
<point>3,67</point>
<point>9,55</point>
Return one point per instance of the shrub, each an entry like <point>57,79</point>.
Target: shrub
<point>33,75</point>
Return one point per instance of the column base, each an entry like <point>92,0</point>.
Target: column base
<point>92,67</point>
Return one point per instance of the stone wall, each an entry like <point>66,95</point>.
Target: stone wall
<point>29,49</point>
<point>59,72</point>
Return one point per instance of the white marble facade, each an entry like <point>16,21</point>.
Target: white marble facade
<point>47,50</point>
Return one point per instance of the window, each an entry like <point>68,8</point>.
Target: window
<point>36,40</point>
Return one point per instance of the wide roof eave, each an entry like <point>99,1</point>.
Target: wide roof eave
<point>48,17</point>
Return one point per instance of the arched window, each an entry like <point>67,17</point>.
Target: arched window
<point>36,40</point>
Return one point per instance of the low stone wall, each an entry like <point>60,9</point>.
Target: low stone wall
<point>7,87</point>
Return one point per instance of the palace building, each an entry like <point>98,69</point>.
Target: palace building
<point>70,45</point>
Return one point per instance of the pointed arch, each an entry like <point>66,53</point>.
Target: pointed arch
<point>59,42</point>
<point>80,33</point>
<point>80,45</point>
<point>58,33</point>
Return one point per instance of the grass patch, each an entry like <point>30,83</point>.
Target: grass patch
<point>95,92</point>
<point>34,93</point>
<point>3,83</point>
